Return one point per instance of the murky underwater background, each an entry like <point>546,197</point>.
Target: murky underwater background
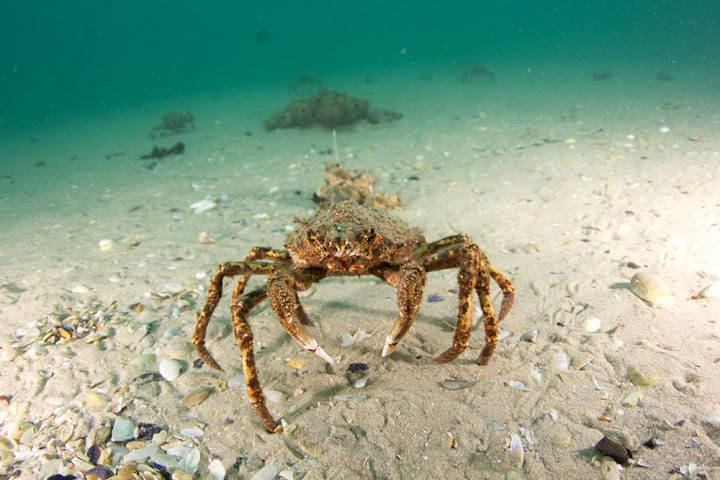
<point>74,60</point>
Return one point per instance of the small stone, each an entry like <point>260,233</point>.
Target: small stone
<point>96,400</point>
<point>613,449</point>
<point>530,336</point>
<point>592,324</point>
<point>206,239</point>
<point>203,206</point>
<point>170,369</point>
<point>123,430</point>
<point>105,245</point>
<point>643,377</point>
<point>560,361</point>
<point>632,399</point>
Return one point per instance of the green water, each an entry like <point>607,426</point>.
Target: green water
<point>65,60</point>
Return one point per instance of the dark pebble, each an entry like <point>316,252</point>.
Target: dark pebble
<point>148,377</point>
<point>147,430</point>
<point>358,368</point>
<point>435,298</point>
<point>650,443</point>
<point>57,476</point>
<point>99,471</point>
<point>93,454</point>
<point>613,450</point>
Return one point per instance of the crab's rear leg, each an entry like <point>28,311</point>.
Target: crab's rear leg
<point>240,309</point>
<point>507,288</point>
<point>460,252</point>
<point>282,293</point>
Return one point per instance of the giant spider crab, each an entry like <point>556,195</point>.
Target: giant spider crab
<point>348,239</point>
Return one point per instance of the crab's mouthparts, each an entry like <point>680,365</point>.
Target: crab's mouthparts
<point>340,264</point>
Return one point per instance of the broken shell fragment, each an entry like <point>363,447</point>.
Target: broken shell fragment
<point>651,288</point>
<point>456,383</point>
<point>713,291</point>
<point>205,238</point>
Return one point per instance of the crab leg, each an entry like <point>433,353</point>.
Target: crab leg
<point>214,294</point>
<point>262,253</point>
<point>243,334</point>
<point>507,288</point>
<point>468,256</point>
<point>410,290</point>
<point>282,294</point>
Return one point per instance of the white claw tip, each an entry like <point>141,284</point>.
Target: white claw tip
<point>322,354</point>
<point>387,349</point>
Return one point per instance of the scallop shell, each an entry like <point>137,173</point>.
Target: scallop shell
<point>652,289</point>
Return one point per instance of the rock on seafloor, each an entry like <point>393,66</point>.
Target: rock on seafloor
<point>123,430</point>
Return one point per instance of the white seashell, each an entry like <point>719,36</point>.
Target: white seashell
<point>516,447</point>
<point>203,206</point>
<point>170,369</point>
<point>287,474</point>
<point>192,432</point>
<point>651,288</point>
<point>361,382</point>
<point>360,335</point>
<point>518,386</point>
<point>268,472</point>
<point>80,289</point>
<point>130,335</point>
<point>205,238</point>
<point>190,462</point>
<point>713,291</point>
<point>174,288</point>
<point>275,396</point>
<point>106,244</point>
<point>560,361</point>
<point>216,470</point>
<point>530,336</point>
<point>592,324</point>
<point>167,461</point>
<point>346,340</point>
<point>140,454</point>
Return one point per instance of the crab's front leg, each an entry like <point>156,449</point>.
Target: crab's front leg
<point>243,334</point>
<point>282,293</point>
<point>410,290</point>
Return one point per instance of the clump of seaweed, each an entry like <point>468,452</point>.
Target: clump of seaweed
<point>477,72</point>
<point>172,123</point>
<point>326,109</point>
<point>359,186</point>
<point>602,75</point>
<point>162,152</point>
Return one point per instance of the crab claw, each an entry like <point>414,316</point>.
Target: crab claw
<point>313,347</point>
<point>390,345</point>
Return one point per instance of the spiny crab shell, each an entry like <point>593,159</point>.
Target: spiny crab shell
<point>351,238</point>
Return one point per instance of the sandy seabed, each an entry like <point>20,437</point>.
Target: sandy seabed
<point>569,196</point>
